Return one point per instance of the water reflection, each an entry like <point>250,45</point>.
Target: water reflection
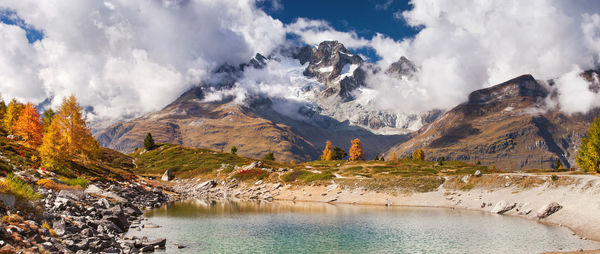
<point>199,208</point>
<point>306,227</point>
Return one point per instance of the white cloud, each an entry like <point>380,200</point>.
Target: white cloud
<point>127,57</point>
<point>574,93</point>
<point>463,46</point>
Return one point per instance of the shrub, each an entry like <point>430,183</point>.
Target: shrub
<point>234,150</point>
<point>554,178</point>
<point>12,219</point>
<point>269,156</point>
<point>21,189</point>
<point>253,173</point>
<point>50,184</point>
<point>47,226</point>
<point>227,170</point>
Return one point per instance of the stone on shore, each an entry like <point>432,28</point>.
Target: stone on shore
<point>548,210</point>
<point>503,207</point>
<point>167,176</point>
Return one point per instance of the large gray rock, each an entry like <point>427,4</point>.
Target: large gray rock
<point>503,207</point>
<point>7,199</point>
<point>167,176</point>
<point>72,194</point>
<point>93,189</point>
<point>116,215</point>
<point>548,210</point>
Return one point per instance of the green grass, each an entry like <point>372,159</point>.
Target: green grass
<point>306,176</point>
<point>82,182</point>
<point>12,184</point>
<point>188,161</point>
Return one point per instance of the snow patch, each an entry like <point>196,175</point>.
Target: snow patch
<point>326,69</point>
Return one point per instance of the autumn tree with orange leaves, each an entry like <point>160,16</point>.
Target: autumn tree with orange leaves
<point>68,136</point>
<point>29,126</point>
<point>328,151</point>
<point>356,151</point>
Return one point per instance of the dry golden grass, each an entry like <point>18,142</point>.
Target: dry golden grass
<point>12,219</point>
<point>50,184</point>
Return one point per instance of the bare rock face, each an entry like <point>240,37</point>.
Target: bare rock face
<point>548,210</point>
<point>333,65</point>
<point>508,125</point>
<point>401,69</point>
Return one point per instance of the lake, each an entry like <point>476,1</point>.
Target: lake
<point>302,227</point>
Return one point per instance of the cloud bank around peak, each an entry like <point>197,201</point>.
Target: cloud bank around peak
<point>462,46</point>
<point>127,57</point>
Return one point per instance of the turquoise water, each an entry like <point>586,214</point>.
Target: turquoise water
<point>287,227</point>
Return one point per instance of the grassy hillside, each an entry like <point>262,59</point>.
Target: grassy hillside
<point>188,162</point>
<point>111,165</point>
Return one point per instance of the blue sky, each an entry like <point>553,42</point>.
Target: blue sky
<point>365,17</point>
<point>10,17</point>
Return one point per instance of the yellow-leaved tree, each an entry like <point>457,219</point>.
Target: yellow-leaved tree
<point>68,136</point>
<point>328,151</point>
<point>419,155</point>
<point>588,155</point>
<point>12,115</point>
<point>356,151</point>
<point>29,126</point>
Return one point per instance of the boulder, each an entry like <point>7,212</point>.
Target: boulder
<point>167,176</point>
<point>548,210</point>
<point>503,207</point>
<point>207,185</point>
<point>7,200</point>
<point>72,194</point>
<point>477,173</point>
<point>161,242</point>
<point>116,215</point>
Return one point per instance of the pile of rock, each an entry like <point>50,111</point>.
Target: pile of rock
<point>89,221</point>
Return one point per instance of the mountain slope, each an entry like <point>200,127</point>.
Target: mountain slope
<point>507,125</point>
<point>255,129</point>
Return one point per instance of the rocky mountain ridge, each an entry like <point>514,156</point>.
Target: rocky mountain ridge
<point>508,125</point>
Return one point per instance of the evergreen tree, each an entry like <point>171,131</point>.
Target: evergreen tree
<point>149,144</point>
<point>269,156</point>
<point>12,115</point>
<point>356,151</point>
<point>338,153</point>
<point>29,126</point>
<point>376,158</point>
<point>588,155</point>
<point>2,109</point>
<point>47,118</point>
<point>234,150</point>
<point>68,136</point>
<point>558,165</point>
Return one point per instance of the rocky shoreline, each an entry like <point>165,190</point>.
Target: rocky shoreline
<point>83,221</point>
